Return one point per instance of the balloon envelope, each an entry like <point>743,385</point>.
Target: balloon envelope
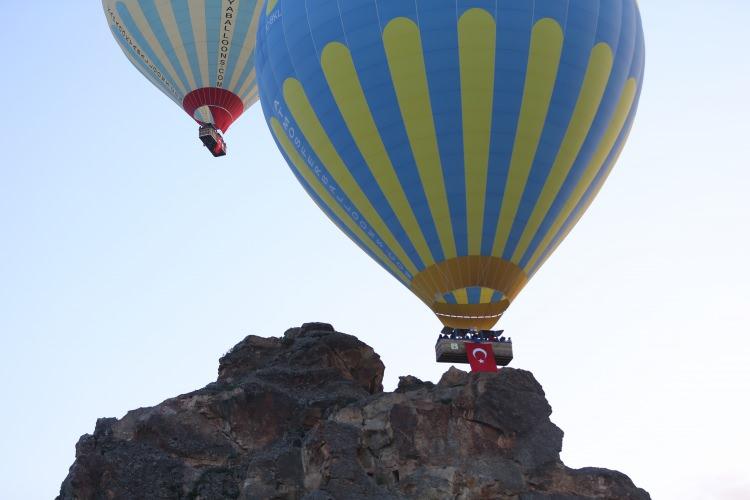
<point>456,142</point>
<point>200,53</point>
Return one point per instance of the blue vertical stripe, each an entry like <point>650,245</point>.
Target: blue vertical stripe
<point>514,24</point>
<point>365,42</point>
<point>185,24</point>
<point>152,16</point>
<point>437,23</point>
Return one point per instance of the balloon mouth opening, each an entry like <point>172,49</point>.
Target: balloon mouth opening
<point>464,316</point>
<point>217,116</point>
<point>203,115</point>
<point>480,316</point>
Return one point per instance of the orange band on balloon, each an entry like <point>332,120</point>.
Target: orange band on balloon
<point>464,272</point>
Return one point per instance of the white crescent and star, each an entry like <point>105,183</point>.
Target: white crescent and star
<point>479,349</point>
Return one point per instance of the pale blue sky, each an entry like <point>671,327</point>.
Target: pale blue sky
<point>130,260</point>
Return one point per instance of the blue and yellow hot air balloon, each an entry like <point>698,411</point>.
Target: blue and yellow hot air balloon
<point>457,142</point>
<point>200,53</point>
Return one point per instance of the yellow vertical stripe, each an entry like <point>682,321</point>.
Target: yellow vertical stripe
<point>600,156</point>
<point>173,32</point>
<point>541,73</point>
<point>300,166</point>
<point>462,296</point>
<point>403,47</point>
<point>476,43</point>
<point>197,9</point>
<point>344,83</point>
<point>313,130</point>
<point>270,5</point>
<point>486,296</point>
<point>589,99</point>
<point>248,47</point>
<point>140,20</point>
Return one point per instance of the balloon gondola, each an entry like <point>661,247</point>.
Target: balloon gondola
<point>213,140</point>
<point>199,53</point>
<point>485,349</point>
<point>457,142</point>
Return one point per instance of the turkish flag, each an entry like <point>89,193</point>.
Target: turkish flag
<point>481,357</point>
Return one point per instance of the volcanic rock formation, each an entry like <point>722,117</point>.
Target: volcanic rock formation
<point>305,417</point>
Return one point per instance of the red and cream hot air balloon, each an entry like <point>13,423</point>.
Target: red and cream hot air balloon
<point>200,53</point>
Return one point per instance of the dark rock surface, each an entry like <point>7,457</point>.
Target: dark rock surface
<point>305,417</point>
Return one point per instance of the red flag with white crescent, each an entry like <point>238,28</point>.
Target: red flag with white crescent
<point>481,357</point>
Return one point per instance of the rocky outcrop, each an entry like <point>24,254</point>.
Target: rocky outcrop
<point>305,416</point>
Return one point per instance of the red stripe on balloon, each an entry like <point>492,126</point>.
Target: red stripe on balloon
<point>225,106</point>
